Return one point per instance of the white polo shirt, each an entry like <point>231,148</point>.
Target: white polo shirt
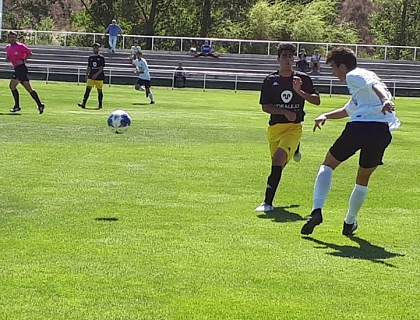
<point>142,66</point>
<point>366,104</point>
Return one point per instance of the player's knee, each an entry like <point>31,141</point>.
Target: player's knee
<point>363,175</point>
<point>279,157</point>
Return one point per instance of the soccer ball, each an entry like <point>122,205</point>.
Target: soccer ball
<point>119,121</point>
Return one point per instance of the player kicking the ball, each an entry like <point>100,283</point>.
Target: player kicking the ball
<point>142,70</point>
<point>372,115</point>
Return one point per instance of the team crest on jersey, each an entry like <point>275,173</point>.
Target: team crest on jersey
<point>286,96</point>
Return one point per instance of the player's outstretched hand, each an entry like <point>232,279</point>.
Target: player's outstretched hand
<point>319,121</point>
<point>388,106</point>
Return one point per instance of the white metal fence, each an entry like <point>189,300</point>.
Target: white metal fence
<point>232,46</point>
<point>203,77</point>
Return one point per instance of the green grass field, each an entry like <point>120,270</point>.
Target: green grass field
<point>159,222</point>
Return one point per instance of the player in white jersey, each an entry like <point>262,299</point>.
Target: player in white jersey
<point>372,115</point>
<point>142,70</point>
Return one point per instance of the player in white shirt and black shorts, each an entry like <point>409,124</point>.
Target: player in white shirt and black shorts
<point>372,117</point>
<point>142,70</point>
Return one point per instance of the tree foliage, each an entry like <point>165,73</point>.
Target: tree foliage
<point>391,22</point>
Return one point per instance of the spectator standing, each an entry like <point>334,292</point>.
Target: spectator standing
<point>113,30</point>
<point>316,62</point>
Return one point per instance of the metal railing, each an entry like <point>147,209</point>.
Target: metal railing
<point>222,45</point>
<point>197,75</point>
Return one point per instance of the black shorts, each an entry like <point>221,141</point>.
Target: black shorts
<point>371,138</point>
<point>145,83</point>
<point>20,73</point>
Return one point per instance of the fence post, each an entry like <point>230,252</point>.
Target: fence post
<point>386,51</point>
<point>240,43</point>
<point>395,89</point>
<point>173,80</point>
<point>153,43</point>
<point>123,41</point>
<point>330,87</point>
<point>204,84</point>
<point>78,76</point>
<point>181,46</point>
<point>110,76</point>
<point>236,82</point>
<point>48,74</point>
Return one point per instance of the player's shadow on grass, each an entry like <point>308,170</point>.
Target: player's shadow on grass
<point>110,219</point>
<point>9,114</point>
<point>365,251</point>
<point>280,214</point>
<point>140,103</point>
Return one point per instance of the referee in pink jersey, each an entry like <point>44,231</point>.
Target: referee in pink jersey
<point>18,53</point>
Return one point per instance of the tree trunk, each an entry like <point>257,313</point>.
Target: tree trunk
<point>206,19</point>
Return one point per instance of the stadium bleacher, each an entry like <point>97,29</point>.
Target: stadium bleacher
<point>231,71</point>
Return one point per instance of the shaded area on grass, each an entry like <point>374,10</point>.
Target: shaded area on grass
<point>280,214</point>
<point>365,251</point>
<point>111,219</point>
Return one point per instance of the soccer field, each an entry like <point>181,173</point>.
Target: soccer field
<point>159,222</point>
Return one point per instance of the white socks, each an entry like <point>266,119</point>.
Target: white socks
<point>356,200</point>
<point>151,96</point>
<point>322,186</point>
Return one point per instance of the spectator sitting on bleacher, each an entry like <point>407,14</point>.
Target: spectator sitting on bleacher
<point>206,51</point>
<point>302,64</point>
<point>135,48</point>
<point>193,51</point>
<point>180,74</point>
<point>316,62</point>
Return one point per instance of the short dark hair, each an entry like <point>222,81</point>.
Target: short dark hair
<point>342,55</point>
<point>96,45</point>
<point>12,33</point>
<point>286,47</point>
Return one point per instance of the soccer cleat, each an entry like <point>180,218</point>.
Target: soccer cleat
<point>264,207</point>
<point>314,219</point>
<point>15,109</point>
<point>41,108</point>
<point>99,107</point>
<point>349,228</point>
<point>152,102</point>
<point>297,156</point>
<point>82,105</point>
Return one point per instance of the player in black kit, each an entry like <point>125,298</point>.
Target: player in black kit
<point>94,76</point>
<point>283,96</point>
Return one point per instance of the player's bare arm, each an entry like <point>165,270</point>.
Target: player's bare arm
<point>87,72</point>
<point>98,72</point>
<point>272,109</point>
<point>385,96</point>
<point>311,98</point>
<point>339,113</point>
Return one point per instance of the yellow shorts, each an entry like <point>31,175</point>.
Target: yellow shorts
<point>285,136</point>
<point>95,83</point>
